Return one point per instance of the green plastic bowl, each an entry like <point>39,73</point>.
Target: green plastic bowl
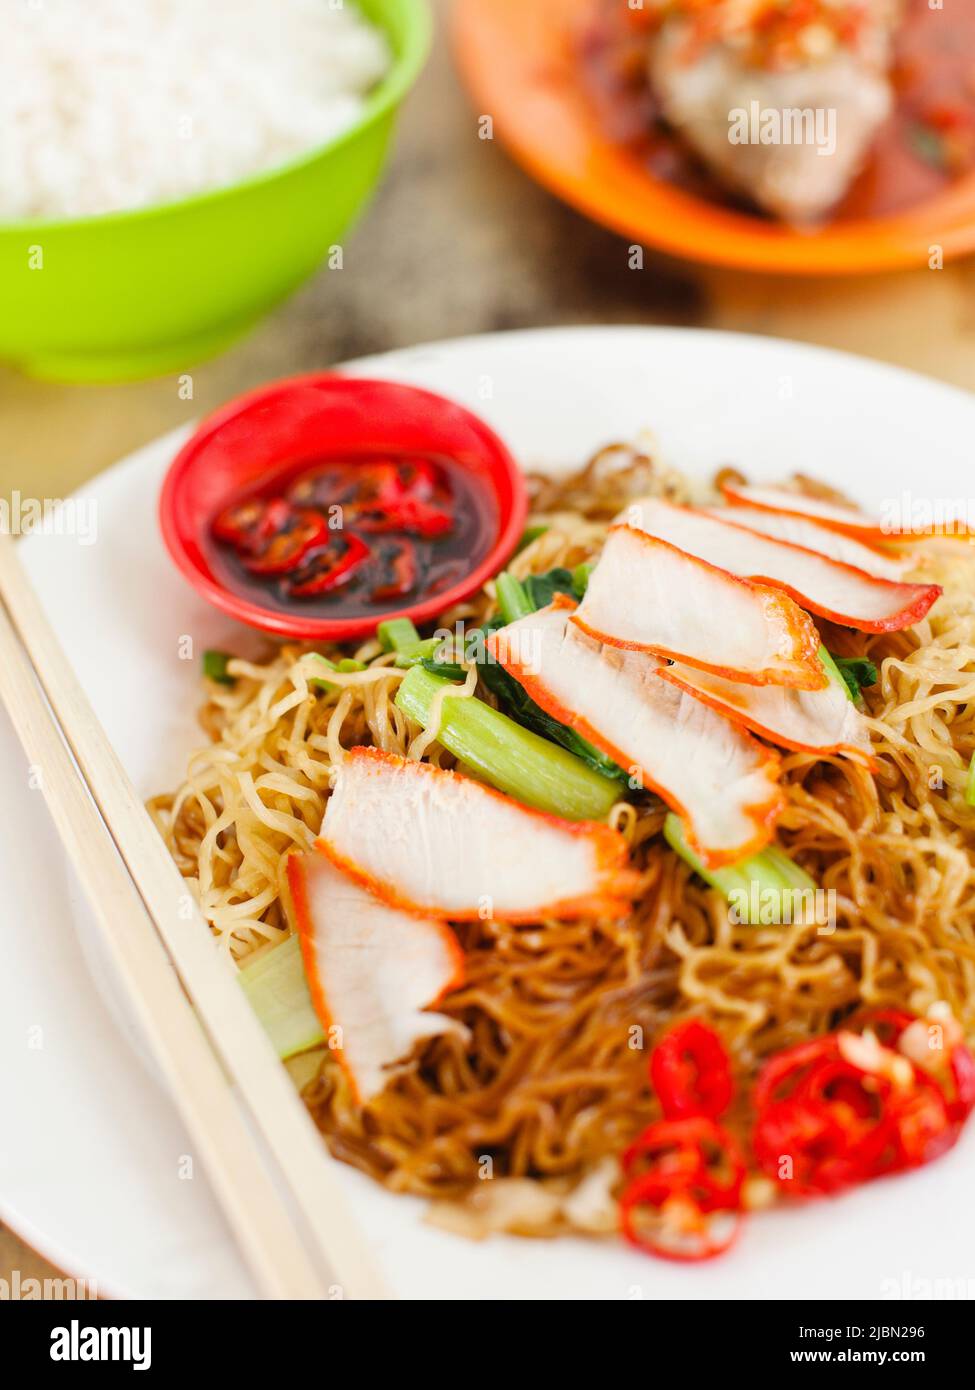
<point>135,294</point>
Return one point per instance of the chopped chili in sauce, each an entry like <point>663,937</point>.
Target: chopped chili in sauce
<point>354,537</point>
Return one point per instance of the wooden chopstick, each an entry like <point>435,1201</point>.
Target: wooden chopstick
<point>250,1201</point>
<point>265,1235</point>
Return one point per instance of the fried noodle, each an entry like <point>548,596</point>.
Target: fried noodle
<point>552,1082</point>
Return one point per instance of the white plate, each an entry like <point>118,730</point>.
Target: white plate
<point>91,1145</point>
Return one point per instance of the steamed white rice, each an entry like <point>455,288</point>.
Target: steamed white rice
<point>112,104</point>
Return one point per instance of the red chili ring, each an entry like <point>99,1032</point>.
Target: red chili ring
<point>679,1148</point>
<point>645,1192</point>
<point>690,1070</point>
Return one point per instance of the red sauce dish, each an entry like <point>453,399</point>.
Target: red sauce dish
<point>320,506</point>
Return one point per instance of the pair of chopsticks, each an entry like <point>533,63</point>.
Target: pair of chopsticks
<point>310,1247</point>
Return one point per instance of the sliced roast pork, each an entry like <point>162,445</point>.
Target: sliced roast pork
<point>826,587</point>
<point>813,535</point>
<point>373,971</point>
<point>647,595</point>
<point>845,520</point>
<point>722,783</point>
<point>440,843</point>
<point>809,721</point>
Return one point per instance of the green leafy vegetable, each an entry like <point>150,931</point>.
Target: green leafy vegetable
<point>514,759</point>
<point>580,579</point>
<point>542,588</point>
<point>345,667</point>
<point>530,533</point>
<point>772,873</point>
<point>855,671</point>
<point>513,599</point>
<point>215,667</point>
<point>833,672</point>
<point>423,650</point>
<point>277,991</point>
<point>323,685</point>
<point>520,705</point>
<point>970,784</point>
<point>449,670</point>
<point>397,635</point>
<point>538,591</point>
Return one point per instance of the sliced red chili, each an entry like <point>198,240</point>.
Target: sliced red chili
<point>292,535</point>
<point>328,486</point>
<point>859,1103</point>
<point>847,1090</point>
<point>406,514</point>
<point>672,1226</point>
<point>402,572</point>
<point>837,1081</point>
<point>425,480</point>
<point>379,485</point>
<point>388,485</point>
<point>375,482</point>
<point>696,1153</point>
<point>806,1148</point>
<point>963,1074</point>
<point>691,1072</point>
<point>287,547</point>
<point>822,1121</point>
<point>948,116</point>
<point>953,1066</point>
<point>235,523</point>
<point>250,525</point>
<point>782,1074</point>
<point>426,520</point>
<point>684,1195</point>
<point>328,569</point>
<point>919,1124</point>
<point>847,1111</point>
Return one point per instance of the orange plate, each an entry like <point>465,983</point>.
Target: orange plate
<point>518,60</point>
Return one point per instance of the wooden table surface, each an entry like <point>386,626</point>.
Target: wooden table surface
<point>459,241</point>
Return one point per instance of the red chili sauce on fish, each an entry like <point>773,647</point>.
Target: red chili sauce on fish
<point>350,538</point>
<point>927,144</point>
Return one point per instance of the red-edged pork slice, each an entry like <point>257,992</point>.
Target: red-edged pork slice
<point>372,971</point>
<point>838,592</point>
<point>812,535</point>
<point>809,721</point>
<point>846,519</point>
<point>436,842</point>
<point>646,595</point>
<point>722,783</point>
